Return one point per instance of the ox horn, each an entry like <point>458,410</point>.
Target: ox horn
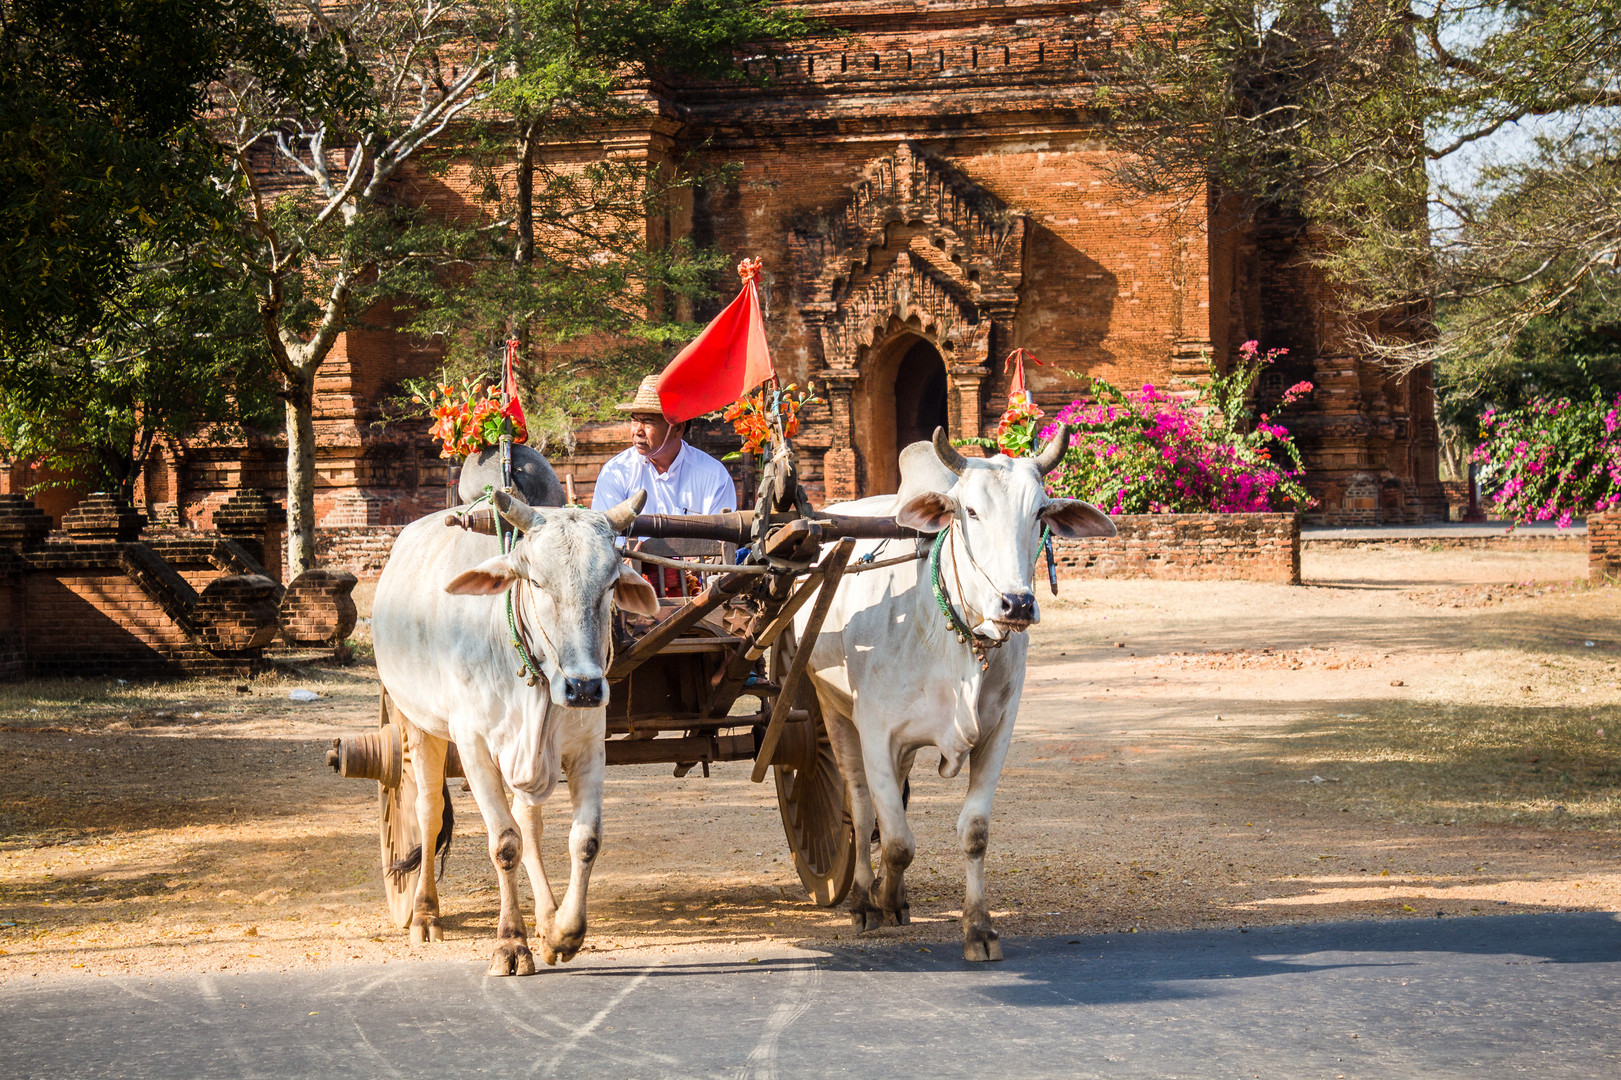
<point>519,515</point>
<point>1053,452</point>
<point>949,456</point>
<point>623,516</point>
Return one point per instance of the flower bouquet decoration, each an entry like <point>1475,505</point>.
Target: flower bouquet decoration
<point>470,419</point>
<point>751,415</point>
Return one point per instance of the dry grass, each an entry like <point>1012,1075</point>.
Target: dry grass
<point>1464,763</point>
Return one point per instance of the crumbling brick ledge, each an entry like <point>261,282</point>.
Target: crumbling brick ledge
<point>1189,547</point>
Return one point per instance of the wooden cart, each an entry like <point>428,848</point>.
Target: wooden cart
<point>716,676</point>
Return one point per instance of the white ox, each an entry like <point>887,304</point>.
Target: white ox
<point>446,656</point>
<point>894,674</point>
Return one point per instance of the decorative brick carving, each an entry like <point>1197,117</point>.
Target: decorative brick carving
<point>317,608</point>
<point>102,518</point>
<point>238,613</point>
<point>22,524</point>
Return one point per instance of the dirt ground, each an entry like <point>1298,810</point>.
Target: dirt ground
<point>1410,734</point>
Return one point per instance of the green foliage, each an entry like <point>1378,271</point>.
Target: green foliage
<point>1552,459</point>
<point>1338,111</point>
<point>100,147</point>
<point>177,351</point>
<point>565,255</point>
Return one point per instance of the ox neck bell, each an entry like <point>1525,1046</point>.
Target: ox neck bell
<point>982,646</point>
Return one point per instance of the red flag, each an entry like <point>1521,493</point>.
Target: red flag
<point>725,362</point>
<point>1019,391</point>
<point>509,390</point>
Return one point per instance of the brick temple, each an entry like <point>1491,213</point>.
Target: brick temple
<point>927,193</point>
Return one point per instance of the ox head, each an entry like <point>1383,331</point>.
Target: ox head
<point>567,557</point>
<point>999,506</point>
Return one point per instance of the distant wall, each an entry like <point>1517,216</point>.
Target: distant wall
<point>362,549</point>
<point>1498,539</point>
<point>1604,547</point>
<point>1189,547</point>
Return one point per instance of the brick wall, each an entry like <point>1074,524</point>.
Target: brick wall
<point>361,550</point>
<point>97,608</point>
<point>1498,539</point>
<point>1604,547</point>
<point>1189,547</point>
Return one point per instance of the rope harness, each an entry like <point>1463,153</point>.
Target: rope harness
<point>982,646</point>
<point>528,669</point>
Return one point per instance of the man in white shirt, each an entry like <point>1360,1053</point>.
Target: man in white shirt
<point>678,478</point>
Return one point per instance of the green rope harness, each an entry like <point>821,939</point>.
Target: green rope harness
<point>964,632</point>
<point>530,668</point>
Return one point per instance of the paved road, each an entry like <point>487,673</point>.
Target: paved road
<point>1484,998</point>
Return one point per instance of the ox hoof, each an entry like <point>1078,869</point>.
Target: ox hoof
<point>903,915</point>
<point>982,947</point>
<point>560,952</point>
<point>512,958</point>
<point>864,919</point>
<point>426,932</point>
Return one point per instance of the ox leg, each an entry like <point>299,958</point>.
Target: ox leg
<point>530,821</point>
<point>864,914</point>
<point>979,938</point>
<point>428,768</point>
<point>562,939</point>
<point>512,956</point>
<point>897,847</point>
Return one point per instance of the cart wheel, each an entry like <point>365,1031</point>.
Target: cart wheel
<point>811,796</point>
<point>397,830</point>
<point>398,833</point>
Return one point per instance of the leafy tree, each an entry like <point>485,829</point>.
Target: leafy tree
<point>1341,112</point>
<point>178,350</point>
<point>101,153</point>
<point>573,259</point>
<point>331,236</point>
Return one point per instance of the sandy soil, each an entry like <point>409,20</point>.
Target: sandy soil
<point>1409,735</point>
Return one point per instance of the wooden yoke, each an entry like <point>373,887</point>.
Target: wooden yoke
<point>790,539</point>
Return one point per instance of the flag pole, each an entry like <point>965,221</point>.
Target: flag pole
<point>508,536</point>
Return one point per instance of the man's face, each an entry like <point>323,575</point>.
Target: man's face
<point>648,433</point>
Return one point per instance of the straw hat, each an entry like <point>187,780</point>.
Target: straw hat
<point>646,399</point>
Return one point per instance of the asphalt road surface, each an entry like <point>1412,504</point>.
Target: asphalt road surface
<point>1485,998</point>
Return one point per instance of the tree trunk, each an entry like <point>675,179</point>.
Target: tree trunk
<point>300,408</point>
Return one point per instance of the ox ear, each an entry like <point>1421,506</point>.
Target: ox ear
<point>486,579</point>
<point>927,512</point>
<point>633,594</point>
<point>1073,519</point>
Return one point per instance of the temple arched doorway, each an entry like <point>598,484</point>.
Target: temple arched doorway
<point>920,395</point>
<point>905,398</point>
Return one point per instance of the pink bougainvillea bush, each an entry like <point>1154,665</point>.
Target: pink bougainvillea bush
<point>1552,460</point>
<point>1148,451</point>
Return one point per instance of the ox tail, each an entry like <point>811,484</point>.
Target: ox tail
<point>413,859</point>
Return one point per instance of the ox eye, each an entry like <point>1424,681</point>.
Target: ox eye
<point>973,513</point>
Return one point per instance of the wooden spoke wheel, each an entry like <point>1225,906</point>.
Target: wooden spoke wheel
<point>811,795</point>
<point>397,829</point>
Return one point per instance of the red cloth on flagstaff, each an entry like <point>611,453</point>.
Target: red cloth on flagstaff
<point>509,387</point>
<point>726,361</point>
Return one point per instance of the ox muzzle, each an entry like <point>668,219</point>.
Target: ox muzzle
<point>1015,610</point>
<point>585,693</point>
